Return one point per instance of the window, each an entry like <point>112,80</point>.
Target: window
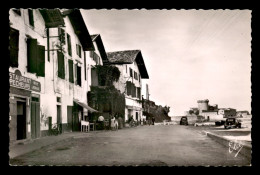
<point>78,75</point>
<point>17,11</point>
<point>61,33</point>
<point>69,44</point>
<point>30,14</point>
<point>35,57</point>
<point>126,68</point>
<point>78,50</point>
<point>58,99</point>
<point>139,92</point>
<point>133,90</point>
<point>61,68</point>
<point>71,75</point>
<point>135,75</point>
<point>85,70</point>
<point>128,88</point>
<point>14,47</point>
<point>131,72</point>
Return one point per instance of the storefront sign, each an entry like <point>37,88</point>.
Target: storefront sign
<point>21,82</point>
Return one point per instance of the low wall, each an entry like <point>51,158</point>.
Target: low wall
<point>246,150</point>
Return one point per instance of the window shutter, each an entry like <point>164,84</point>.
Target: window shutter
<point>61,70</point>
<point>79,75</point>
<point>41,61</point>
<point>71,77</point>
<point>14,47</point>
<point>69,44</point>
<point>31,20</point>
<point>79,51</point>
<point>131,72</point>
<point>32,55</point>
<point>85,70</point>
<point>128,88</point>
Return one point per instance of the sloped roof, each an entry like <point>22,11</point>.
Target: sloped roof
<point>101,48</point>
<point>122,57</point>
<point>80,28</point>
<point>128,57</point>
<point>52,17</point>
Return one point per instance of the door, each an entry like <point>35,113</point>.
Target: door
<point>69,117</point>
<point>35,119</point>
<point>136,116</point>
<point>21,120</point>
<point>75,121</point>
<point>59,121</point>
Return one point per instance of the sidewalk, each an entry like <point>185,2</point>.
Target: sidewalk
<point>232,142</point>
<point>27,146</point>
<point>32,145</point>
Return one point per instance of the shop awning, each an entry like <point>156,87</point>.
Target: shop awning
<point>84,105</point>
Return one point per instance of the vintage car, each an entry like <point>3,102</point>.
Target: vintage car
<point>184,121</point>
<point>232,123</point>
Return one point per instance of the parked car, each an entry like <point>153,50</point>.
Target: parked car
<point>232,123</point>
<point>184,121</point>
<point>220,123</point>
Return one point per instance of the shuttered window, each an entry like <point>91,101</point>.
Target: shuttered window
<point>131,72</point>
<point>135,75</point>
<point>139,92</point>
<point>69,44</point>
<point>32,55</point>
<point>128,88</point>
<point>35,57</point>
<point>71,75</point>
<point>41,61</point>
<point>78,75</point>
<point>85,70</point>
<point>78,49</point>
<point>31,19</point>
<point>14,47</point>
<point>61,67</point>
<point>133,90</point>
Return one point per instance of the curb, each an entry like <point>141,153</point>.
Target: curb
<point>246,151</point>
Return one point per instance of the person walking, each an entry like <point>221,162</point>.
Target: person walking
<point>153,120</point>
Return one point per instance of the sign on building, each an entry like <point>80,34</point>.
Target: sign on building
<point>21,82</point>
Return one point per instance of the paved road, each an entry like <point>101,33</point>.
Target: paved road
<point>171,145</point>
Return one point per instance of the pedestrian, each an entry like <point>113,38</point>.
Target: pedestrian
<point>101,122</point>
<point>153,120</point>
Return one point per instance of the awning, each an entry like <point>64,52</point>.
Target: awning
<point>84,105</point>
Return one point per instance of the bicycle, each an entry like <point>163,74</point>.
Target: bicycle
<point>132,123</point>
<point>55,130</point>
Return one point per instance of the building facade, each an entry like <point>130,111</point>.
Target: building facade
<point>132,68</point>
<point>47,68</point>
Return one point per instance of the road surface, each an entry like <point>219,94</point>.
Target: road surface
<point>170,145</point>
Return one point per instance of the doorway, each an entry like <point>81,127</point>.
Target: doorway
<point>35,118</point>
<point>21,120</point>
<point>59,121</point>
<point>136,116</point>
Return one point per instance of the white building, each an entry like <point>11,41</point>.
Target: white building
<point>48,81</point>
<point>133,70</point>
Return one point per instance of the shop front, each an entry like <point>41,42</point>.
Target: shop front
<point>24,107</point>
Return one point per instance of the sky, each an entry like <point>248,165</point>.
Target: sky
<point>190,55</point>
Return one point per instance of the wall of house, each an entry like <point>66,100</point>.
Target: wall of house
<point>21,23</point>
<point>51,85</point>
<point>121,85</point>
<point>213,116</point>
